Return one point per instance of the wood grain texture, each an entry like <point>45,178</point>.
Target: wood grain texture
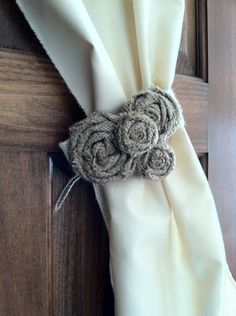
<point>81,281</point>
<point>222,117</point>
<point>192,58</point>
<point>193,96</point>
<point>186,63</point>
<point>25,278</point>
<point>36,107</point>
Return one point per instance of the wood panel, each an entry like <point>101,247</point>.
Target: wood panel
<point>193,95</point>
<point>192,58</point>
<point>81,281</point>
<point>29,83</point>
<point>36,107</point>
<point>222,117</point>
<point>25,248</point>
<point>186,63</point>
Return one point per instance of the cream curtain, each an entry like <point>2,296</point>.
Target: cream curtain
<point>166,248</point>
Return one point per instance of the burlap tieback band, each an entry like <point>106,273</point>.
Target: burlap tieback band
<point>107,147</point>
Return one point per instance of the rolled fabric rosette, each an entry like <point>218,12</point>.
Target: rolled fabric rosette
<point>106,147</point>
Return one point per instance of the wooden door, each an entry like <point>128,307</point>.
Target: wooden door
<point>58,265</point>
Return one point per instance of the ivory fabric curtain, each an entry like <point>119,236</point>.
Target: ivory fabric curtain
<point>166,247</point>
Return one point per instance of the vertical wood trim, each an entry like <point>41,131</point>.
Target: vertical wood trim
<point>222,117</point>
<point>201,37</point>
<point>25,265</point>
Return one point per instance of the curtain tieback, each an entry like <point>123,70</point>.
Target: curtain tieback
<point>107,147</point>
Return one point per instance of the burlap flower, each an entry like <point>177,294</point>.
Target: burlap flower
<point>107,147</point>
<point>136,134</point>
<point>157,163</point>
<point>94,153</point>
<point>162,108</point>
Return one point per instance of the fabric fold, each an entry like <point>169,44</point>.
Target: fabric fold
<point>166,246</point>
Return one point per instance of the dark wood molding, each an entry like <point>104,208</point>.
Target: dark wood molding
<point>201,39</point>
<point>34,104</point>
